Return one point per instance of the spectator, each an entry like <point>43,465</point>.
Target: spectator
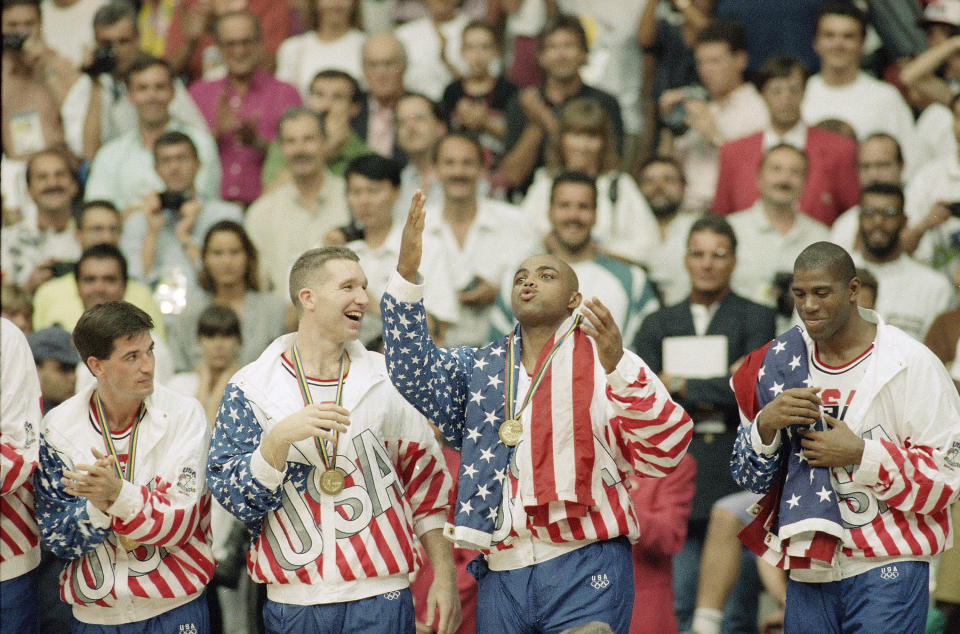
<point>98,109</point>
<point>373,185</point>
<point>335,96</point>
<point>764,25</point>
<point>56,360</point>
<point>913,294</point>
<point>58,300</point>
<point>699,124</point>
<point>532,114</point>
<point>662,184</point>
<point>66,18</point>
<point>151,87</point>
<point>523,21</point>
<point>310,205</point>
<point>228,277</point>
<point>772,231</point>
<point>669,38</point>
<point>480,238</point>
<point>711,309</point>
<point>243,108</point>
<point>879,160</point>
<point>419,127</point>
<point>35,250</point>
<point>334,40</point>
<point>585,142</point>
<point>191,43</point>
<point>943,335</point>
<point>15,306</point>
<point>831,186</point>
<point>161,240</point>
<point>572,215</point>
<point>432,39</point>
<point>477,102</point>
<point>842,91</point>
<point>384,63</point>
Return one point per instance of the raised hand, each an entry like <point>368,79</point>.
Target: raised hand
<point>411,240</point>
<point>605,333</point>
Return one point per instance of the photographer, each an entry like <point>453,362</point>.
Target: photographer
<point>161,240</point>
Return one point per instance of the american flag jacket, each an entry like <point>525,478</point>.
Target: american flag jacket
<point>19,449</point>
<point>308,546</point>
<point>635,426</point>
<point>895,503</point>
<point>166,510</point>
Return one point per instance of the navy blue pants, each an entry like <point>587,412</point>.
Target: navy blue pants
<point>18,604</point>
<point>593,583</point>
<point>390,613</point>
<point>891,598</point>
<point>189,618</point>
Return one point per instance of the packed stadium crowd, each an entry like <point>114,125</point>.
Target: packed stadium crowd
<point>480,316</point>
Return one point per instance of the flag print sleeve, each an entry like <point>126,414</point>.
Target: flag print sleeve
<point>237,474</point>
<point>653,430</point>
<point>423,471</point>
<point>16,463</point>
<point>432,379</point>
<point>168,512</point>
<point>69,526</point>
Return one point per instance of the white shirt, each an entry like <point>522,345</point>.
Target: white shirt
<point>795,136</point>
<point>665,262</point>
<point>24,246</point>
<point>69,29</point>
<point>762,251</point>
<point>843,231</point>
<point>937,180</point>
<point>425,72</point>
<point>301,57</point>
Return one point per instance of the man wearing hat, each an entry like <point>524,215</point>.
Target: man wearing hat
<point>56,361</point>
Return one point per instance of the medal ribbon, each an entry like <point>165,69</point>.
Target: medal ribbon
<point>101,419</point>
<point>510,378</point>
<point>328,459</point>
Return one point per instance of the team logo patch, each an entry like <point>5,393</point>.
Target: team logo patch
<point>392,595</point>
<point>889,573</point>
<point>599,582</point>
<point>188,628</point>
<point>187,482</point>
<point>953,455</point>
<point>28,432</point>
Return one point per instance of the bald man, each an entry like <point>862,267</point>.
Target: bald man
<point>384,62</point>
<point>549,420</point>
<point>852,430</point>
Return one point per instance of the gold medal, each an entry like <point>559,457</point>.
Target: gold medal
<point>331,481</point>
<point>510,432</point>
<point>127,543</point>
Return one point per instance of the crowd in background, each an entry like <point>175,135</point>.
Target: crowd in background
<point>678,154</point>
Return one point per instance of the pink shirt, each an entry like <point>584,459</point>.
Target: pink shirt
<point>266,99</point>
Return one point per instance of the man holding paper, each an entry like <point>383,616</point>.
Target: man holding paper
<point>694,346</point>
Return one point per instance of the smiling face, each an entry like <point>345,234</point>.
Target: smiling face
<point>239,44</point>
<point>824,303</point>
<point>335,300</point>
<point>562,55</point>
<point>838,42</point>
<point>128,371</point>
<point>719,68</point>
<point>544,291</point>
<point>100,280</point>
<point>459,166</point>
<point>151,91</point>
<point>881,221</point>
<point>662,185</point>
<point>301,143</point>
<point>52,185</point>
<point>572,214</point>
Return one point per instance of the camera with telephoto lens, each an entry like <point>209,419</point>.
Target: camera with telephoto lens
<point>675,120</point>
<point>104,60</point>
<point>172,200</point>
<point>14,41</point>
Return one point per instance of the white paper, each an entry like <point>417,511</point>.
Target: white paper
<point>696,357</point>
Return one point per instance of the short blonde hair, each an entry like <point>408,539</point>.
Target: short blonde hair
<point>584,115</point>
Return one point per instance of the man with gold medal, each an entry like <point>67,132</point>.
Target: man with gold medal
<point>120,492</point>
<point>334,475</point>
<point>549,420</point>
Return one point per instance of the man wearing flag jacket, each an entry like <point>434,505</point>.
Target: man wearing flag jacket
<point>545,448</point>
<point>120,489</point>
<point>852,430</point>
<point>335,476</point>
<point>20,428</point>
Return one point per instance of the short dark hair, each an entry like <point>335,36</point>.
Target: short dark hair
<point>827,256</point>
<point>112,12</point>
<point>174,137</point>
<point>301,111</point>
<point>460,134</point>
<point>482,25</point>
<point>307,265</point>
<point>143,61</point>
<point>374,167</point>
<point>257,32</point>
<point>715,224</point>
<point>434,106</point>
<point>217,319</point>
<point>785,146</point>
<point>101,252</point>
<point>55,152</point>
<point>887,137</point>
<point>9,4</point>
<point>576,177</point>
<point>723,31</point>
<point>334,73</point>
<point>99,327</point>
<point>868,280</point>
<point>665,160</point>
<point>883,189</point>
<point>94,204</point>
<point>563,22</point>
<point>844,8</point>
<point>779,67</point>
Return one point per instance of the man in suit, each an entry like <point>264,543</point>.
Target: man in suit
<point>384,63</point>
<point>831,185</point>
<point>711,309</point>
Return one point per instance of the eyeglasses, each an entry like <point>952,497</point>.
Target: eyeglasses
<point>886,212</point>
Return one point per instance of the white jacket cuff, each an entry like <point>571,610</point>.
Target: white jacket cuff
<point>404,290</point>
<point>868,473</point>
<point>264,472</point>
<point>757,443</point>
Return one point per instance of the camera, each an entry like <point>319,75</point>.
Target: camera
<point>104,60</point>
<point>172,200</point>
<point>675,120</point>
<point>14,41</point>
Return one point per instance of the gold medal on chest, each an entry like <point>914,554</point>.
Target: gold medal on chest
<point>510,432</point>
<point>331,481</point>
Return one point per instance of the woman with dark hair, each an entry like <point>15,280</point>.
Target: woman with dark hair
<point>228,277</point>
